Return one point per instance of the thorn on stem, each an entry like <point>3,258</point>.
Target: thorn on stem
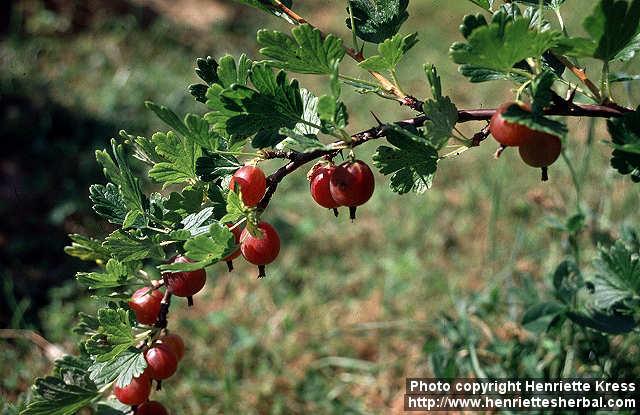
<point>375,117</point>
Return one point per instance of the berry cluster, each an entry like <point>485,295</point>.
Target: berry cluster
<point>537,149</point>
<point>350,184</point>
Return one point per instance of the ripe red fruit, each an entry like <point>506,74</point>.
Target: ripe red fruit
<point>173,342</point>
<point>135,392</point>
<point>161,362</point>
<point>151,408</point>
<point>146,303</point>
<point>319,186</point>
<point>506,133</point>
<point>252,183</point>
<point>185,283</point>
<point>541,151</point>
<point>260,250</point>
<point>352,185</point>
<point>237,231</point>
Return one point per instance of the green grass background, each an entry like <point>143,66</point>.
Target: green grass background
<point>347,308</point>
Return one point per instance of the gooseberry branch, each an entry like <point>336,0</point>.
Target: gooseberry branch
<point>297,159</point>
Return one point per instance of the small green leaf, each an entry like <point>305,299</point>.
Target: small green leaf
<point>121,175</point>
<point>126,247</point>
<point>122,369</point>
<point>181,155</point>
<point>205,249</point>
<point>87,249</point>
<point>108,203</point>
<point>390,52</point>
<point>538,317</point>
<point>304,52</point>
<point>235,208</point>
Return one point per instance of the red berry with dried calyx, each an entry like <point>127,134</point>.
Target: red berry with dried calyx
<point>260,249</point>
<point>319,185</point>
<point>162,362</point>
<point>506,133</point>
<point>173,342</point>
<point>352,184</point>
<point>135,392</point>
<point>237,231</point>
<point>251,182</point>
<point>185,283</point>
<point>151,408</point>
<point>541,151</point>
<point>145,303</point>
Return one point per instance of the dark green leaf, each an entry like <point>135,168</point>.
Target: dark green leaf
<point>377,20</point>
<point>606,323</point>
<point>517,115</point>
<point>625,135</point>
<point>64,394</point>
<point>213,166</point>
<point>411,164</point>
<point>617,277</point>
<point>613,26</point>
<point>500,46</point>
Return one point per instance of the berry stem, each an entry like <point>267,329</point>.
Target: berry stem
<point>545,174</point>
<point>164,310</point>
<point>335,212</point>
<point>352,212</point>
<point>230,265</point>
<point>261,271</point>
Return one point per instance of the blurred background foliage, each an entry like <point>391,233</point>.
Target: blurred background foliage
<point>349,309</point>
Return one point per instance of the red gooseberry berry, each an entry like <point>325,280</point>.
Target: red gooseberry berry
<point>173,342</point>
<point>251,182</point>
<point>352,184</point>
<point>185,283</point>
<point>161,362</point>
<point>261,249</point>
<point>542,151</point>
<point>135,392</point>
<point>145,303</point>
<point>506,133</point>
<point>320,187</point>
